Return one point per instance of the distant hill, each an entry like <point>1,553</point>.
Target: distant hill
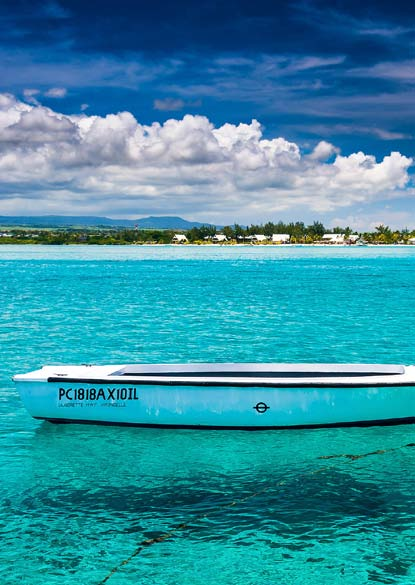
<point>163,222</point>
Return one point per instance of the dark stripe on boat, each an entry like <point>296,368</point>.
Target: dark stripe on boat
<point>242,384</point>
<point>366,423</point>
<point>259,374</point>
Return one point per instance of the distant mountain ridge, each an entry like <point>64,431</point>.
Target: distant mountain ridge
<point>152,222</point>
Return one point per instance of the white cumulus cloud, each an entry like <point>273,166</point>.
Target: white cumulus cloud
<point>323,151</point>
<point>56,163</point>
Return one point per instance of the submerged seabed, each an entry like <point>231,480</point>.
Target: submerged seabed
<point>76,501</point>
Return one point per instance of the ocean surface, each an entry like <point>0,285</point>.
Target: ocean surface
<point>240,508</point>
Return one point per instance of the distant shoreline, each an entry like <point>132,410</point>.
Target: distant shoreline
<point>269,234</point>
<point>209,245</point>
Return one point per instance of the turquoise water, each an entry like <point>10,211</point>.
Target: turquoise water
<point>76,501</point>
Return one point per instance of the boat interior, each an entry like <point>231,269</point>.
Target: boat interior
<point>261,370</point>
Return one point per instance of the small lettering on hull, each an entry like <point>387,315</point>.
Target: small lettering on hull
<point>92,395</point>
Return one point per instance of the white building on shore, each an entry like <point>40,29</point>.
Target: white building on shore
<point>179,239</point>
<point>259,238</point>
<point>281,238</point>
<point>219,238</point>
<point>333,239</point>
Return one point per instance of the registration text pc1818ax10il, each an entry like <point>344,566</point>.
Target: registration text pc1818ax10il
<point>233,396</point>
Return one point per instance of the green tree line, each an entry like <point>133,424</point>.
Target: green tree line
<point>298,231</point>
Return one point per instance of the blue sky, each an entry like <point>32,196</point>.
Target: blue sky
<point>340,74</point>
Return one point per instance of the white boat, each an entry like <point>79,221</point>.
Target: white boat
<point>236,396</point>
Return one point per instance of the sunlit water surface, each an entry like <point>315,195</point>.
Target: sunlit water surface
<point>76,501</point>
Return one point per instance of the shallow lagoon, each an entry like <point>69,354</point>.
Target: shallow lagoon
<point>77,500</point>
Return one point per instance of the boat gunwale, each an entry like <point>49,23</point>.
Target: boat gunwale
<point>251,383</point>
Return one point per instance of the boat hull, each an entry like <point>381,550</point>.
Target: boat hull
<point>232,407</point>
